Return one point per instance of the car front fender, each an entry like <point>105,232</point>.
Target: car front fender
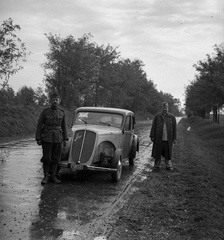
<point>118,154</point>
<point>65,150</point>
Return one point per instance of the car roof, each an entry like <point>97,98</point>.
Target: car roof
<point>105,109</point>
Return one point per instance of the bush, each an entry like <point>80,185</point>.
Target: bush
<point>17,121</point>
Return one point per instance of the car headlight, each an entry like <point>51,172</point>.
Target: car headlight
<point>106,152</point>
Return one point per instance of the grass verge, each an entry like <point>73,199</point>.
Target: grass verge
<point>187,203</point>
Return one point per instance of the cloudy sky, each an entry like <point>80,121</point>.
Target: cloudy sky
<point>169,36</point>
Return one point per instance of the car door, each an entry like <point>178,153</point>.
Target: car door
<point>128,135</point>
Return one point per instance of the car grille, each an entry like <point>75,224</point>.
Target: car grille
<point>83,144</point>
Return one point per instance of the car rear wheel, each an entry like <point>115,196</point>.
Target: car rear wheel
<point>131,161</point>
<point>118,165</point>
<point>132,155</point>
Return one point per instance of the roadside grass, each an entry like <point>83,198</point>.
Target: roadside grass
<point>221,119</point>
<point>211,132</point>
<point>187,203</point>
<point>199,159</point>
<point>19,122</point>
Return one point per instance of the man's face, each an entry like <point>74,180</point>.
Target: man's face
<point>165,109</point>
<point>55,102</point>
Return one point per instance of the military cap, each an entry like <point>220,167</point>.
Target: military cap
<point>54,95</point>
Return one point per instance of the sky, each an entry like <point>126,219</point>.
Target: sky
<point>168,36</point>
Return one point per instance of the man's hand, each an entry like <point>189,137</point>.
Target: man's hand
<point>64,143</point>
<point>39,142</point>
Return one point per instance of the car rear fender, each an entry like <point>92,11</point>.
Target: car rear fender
<point>136,142</point>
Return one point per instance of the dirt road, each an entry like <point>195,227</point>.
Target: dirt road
<point>187,203</point>
<point>80,208</point>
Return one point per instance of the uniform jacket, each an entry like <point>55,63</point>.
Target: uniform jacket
<point>157,133</point>
<point>51,126</point>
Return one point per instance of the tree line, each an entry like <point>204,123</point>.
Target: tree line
<point>83,73</point>
<point>86,74</point>
<point>206,92</point>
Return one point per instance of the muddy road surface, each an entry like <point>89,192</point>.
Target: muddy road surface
<point>81,207</point>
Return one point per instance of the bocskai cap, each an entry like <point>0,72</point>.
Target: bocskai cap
<point>165,105</point>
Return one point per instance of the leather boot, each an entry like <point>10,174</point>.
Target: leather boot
<point>169,165</point>
<point>55,180</point>
<point>53,172</point>
<point>46,178</point>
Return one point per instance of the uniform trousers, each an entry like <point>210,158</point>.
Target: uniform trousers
<point>51,157</point>
<point>165,153</point>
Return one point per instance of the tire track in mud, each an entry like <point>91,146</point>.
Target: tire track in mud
<point>98,227</point>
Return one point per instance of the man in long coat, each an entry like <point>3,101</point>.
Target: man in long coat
<point>163,134</point>
<point>51,133</point>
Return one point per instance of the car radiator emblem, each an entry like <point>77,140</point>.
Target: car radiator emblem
<point>79,136</point>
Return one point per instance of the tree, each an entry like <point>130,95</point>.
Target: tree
<point>65,68</point>
<point>26,97</point>
<point>7,96</point>
<point>105,65</point>
<point>74,68</point>
<point>39,97</point>
<point>12,50</point>
<point>86,74</point>
<point>206,92</point>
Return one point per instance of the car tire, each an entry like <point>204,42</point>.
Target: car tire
<point>132,155</point>
<point>116,163</point>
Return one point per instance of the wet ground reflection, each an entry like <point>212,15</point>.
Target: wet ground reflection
<point>72,210</point>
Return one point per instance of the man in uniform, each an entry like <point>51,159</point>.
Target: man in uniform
<point>163,134</point>
<point>51,133</point>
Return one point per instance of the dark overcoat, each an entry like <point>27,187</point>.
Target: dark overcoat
<point>51,126</point>
<point>157,133</point>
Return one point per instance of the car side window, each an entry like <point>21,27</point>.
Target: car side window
<point>132,123</point>
<point>127,123</point>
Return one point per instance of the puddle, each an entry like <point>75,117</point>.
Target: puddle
<point>100,238</point>
<point>143,178</point>
<point>72,235</point>
<point>61,211</point>
<point>62,215</point>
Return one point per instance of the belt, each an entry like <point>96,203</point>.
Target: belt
<point>53,128</point>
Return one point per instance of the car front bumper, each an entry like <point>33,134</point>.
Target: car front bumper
<point>75,167</point>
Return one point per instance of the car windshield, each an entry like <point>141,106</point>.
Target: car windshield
<point>99,118</point>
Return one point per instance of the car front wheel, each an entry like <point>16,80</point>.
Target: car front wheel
<point>116,175</point>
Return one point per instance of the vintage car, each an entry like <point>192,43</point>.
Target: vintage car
<point>102,138</point>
